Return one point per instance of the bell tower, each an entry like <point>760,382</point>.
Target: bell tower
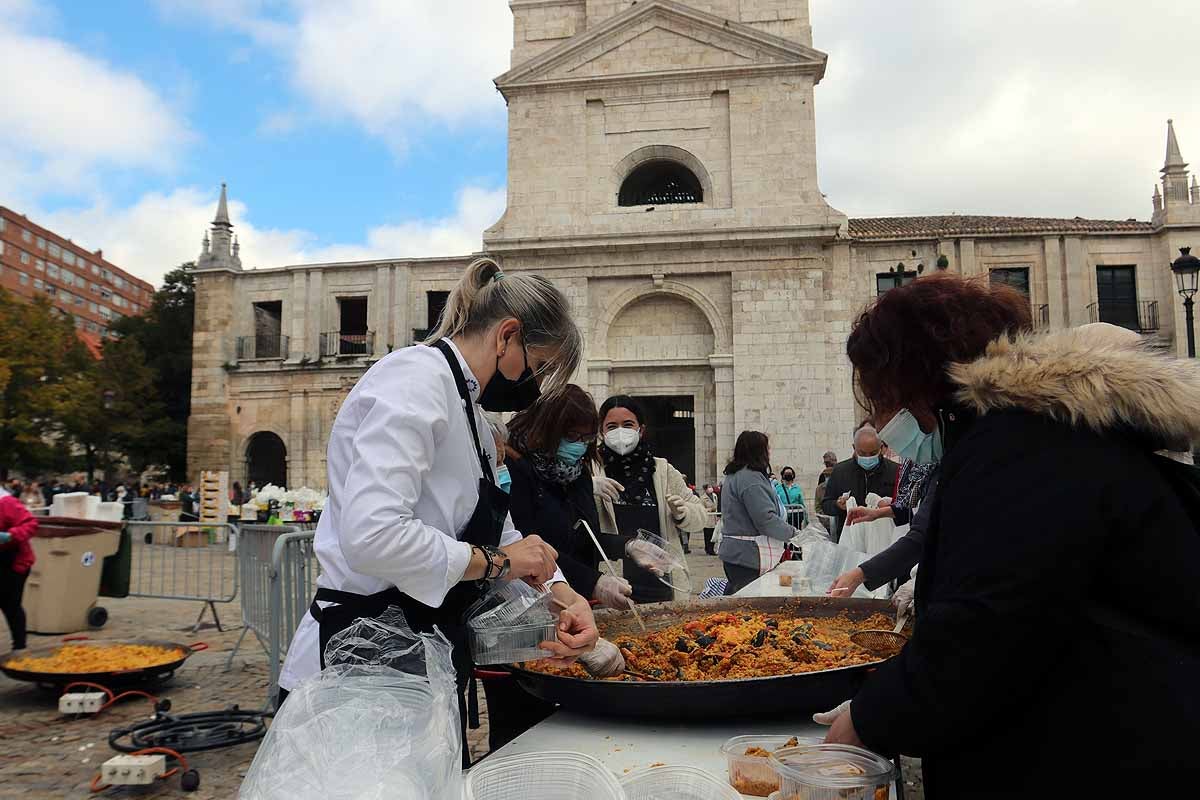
<point>1179,202</point>
<point>221,251</point>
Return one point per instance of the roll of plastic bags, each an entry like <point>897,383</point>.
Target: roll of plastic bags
<point>380,721</point>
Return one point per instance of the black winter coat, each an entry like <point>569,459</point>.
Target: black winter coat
<point>551,510</point>
<point>1056,651</point>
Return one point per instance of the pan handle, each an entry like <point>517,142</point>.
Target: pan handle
<point>492,673</point>
<point>79,638</point>
<point>196,647</point>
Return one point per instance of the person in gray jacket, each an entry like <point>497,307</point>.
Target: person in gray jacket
<point>754,527</point>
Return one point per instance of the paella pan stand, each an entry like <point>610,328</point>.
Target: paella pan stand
<point>798,694</point>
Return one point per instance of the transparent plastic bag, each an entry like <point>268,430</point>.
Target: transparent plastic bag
<point>380,721</point>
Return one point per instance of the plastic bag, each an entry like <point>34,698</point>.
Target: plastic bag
<point>380,721</point>
<point>825,561</point>
<point>871,537</point>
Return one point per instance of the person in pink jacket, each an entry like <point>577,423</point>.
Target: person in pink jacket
<point>17,527</point>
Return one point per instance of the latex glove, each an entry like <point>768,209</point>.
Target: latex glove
<point>842,730</point>
<point>605,661</point>
<point>5,537</point>
<point>650,557</point>
<point>677,505</point>
<point>885,502</point>
<point>830,717</point>
<point>846,583</point>
<point>607,488</point>
<point>577,632</point>
<point>841,501</point>
<point>862,514</point>
<point>903,599</point>
<point>613,592</point>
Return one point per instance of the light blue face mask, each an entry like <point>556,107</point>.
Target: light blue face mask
<point>570,452</point>
<point>503,479</point>
<point>904,435</point>
<point>868,462</point>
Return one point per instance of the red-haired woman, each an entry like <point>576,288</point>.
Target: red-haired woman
<point>1048,628</point>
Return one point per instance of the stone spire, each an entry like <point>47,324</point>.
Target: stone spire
<point>1174,171</point>
<point>1174,158</point>
<point>223,251</point>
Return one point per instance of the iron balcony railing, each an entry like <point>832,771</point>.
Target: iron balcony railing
<point>420,334</point>
<point>251,347</point>
<point>1041,317</point>
<point>1140,316</point>
<point>339,343</point>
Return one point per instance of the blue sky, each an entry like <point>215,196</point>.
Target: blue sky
<point>368,128</point>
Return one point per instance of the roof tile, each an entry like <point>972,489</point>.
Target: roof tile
<point>867,228</point>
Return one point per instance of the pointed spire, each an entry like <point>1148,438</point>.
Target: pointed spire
<point>1174,161</point>
<point>204,244</point>
<point>236,246</point>
<point>223,209</point>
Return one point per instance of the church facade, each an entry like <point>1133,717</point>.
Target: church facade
<point>661,171</point>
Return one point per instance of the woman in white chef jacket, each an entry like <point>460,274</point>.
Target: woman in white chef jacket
<point>414,517</point>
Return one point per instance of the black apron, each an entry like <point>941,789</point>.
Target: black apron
<point>483,529</point>
<point>647,588</point>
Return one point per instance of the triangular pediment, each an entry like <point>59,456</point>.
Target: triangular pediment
<point>660,37</point>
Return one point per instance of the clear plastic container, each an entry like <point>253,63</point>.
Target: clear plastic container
<point>510,644</point>
<point>754,775</point>
<point>832,772</point>
<point>510,602</point>
<point>675,783</point>
<point>678,577</point>
<point>545,776</point>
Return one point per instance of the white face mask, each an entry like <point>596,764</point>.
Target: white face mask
<point>904,435</point>
<point>622,441</point>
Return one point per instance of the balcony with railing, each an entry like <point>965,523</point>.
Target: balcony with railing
<point>250,348</point>
<point>1041,317</point>
<point>337,344</point>
<point>1140,316</point>
<point>420,334</point>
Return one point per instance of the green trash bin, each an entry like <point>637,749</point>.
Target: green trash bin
<point>114,577</point>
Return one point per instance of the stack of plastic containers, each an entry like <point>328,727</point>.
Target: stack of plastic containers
<point>545,776</point>
<point>754,775</point>
<point>509,623</point>
<point>675,783</point>
<point>832,772</point>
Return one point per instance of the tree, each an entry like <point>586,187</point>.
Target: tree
<point>41,362</point>
<point>164,334</point>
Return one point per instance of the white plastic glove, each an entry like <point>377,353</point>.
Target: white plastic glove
<point>607,487</point>
<point>677,505</point>
<point>903,598</point>
<point>604,661</point>
<point>650,557</point>
<point>830,717</point>
<point>613,592</point>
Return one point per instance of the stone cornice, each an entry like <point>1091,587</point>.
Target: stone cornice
<point>694,238</point>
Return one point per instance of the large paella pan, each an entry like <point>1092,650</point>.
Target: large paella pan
<point>800,693</point>
<point>166,658</point>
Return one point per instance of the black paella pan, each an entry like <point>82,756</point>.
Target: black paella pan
<point>802,693</point>
<point>110,678</point>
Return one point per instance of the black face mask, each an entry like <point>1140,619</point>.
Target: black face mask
<point>789,477</point>
<point>502,394</point>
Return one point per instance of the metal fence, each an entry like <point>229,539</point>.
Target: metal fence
<point>184,561</point>
<point>279,572</point>
<point>795,515</point>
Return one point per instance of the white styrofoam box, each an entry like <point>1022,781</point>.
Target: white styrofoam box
<point>70,504</point>
<point>93,507</point>
<point>133,770</point>
<point>112,512</point>
<point>80,702</point>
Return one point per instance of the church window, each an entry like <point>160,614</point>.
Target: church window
<point>892,280</point>
<point>660,182</point>
<point>435,303</point>
<point>1016,277</point>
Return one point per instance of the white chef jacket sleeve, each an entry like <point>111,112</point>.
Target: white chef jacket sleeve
<point>393,450</point>
<point>511,534</point>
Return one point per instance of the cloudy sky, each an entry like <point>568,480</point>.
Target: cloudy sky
<point>367,128</point>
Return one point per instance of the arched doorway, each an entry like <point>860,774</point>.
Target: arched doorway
<point>266,459</point>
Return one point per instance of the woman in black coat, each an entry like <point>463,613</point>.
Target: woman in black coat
<point>1056,651</point>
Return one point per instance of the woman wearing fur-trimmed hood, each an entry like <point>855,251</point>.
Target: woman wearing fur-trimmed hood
<point>1057,648</point>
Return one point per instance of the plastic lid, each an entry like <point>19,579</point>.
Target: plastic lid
<point>834,766</point>
<point>552,775</point>
<point>676,783</point>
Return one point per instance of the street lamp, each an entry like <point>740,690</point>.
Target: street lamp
<point>1187,270</point>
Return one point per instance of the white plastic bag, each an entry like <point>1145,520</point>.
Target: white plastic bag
<point>825,561</point>
<point>872,537</point>
<point>380,721</point>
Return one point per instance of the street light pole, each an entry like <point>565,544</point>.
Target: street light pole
<point>1187,270</point>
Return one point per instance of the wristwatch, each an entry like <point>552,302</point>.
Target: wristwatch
<point>499,564</point>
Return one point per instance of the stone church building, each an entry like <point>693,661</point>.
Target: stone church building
<point>661,171</point>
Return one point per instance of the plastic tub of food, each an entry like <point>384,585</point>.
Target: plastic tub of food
<point>750,770</point>
<point>832,772</point>
<point>545,776</point>
<point>675,783</point>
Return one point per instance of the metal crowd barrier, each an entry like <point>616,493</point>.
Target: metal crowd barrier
<point>279,572</point>
<point>184,561</point>
<point>795,515</point>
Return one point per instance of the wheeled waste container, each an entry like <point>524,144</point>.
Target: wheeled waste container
<point>61,591</point>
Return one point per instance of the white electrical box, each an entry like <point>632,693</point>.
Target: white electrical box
<point>80,702</point>
<point>133,770</point>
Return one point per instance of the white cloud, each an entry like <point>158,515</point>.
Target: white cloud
<point>1021,107</point>
<point>391,66</point>
<point>161,231</point>
<point>68,114</point>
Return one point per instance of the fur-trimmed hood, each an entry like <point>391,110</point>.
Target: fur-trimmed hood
<point>1097,376</point>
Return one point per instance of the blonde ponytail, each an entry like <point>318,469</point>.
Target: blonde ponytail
<point>485,295</point>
